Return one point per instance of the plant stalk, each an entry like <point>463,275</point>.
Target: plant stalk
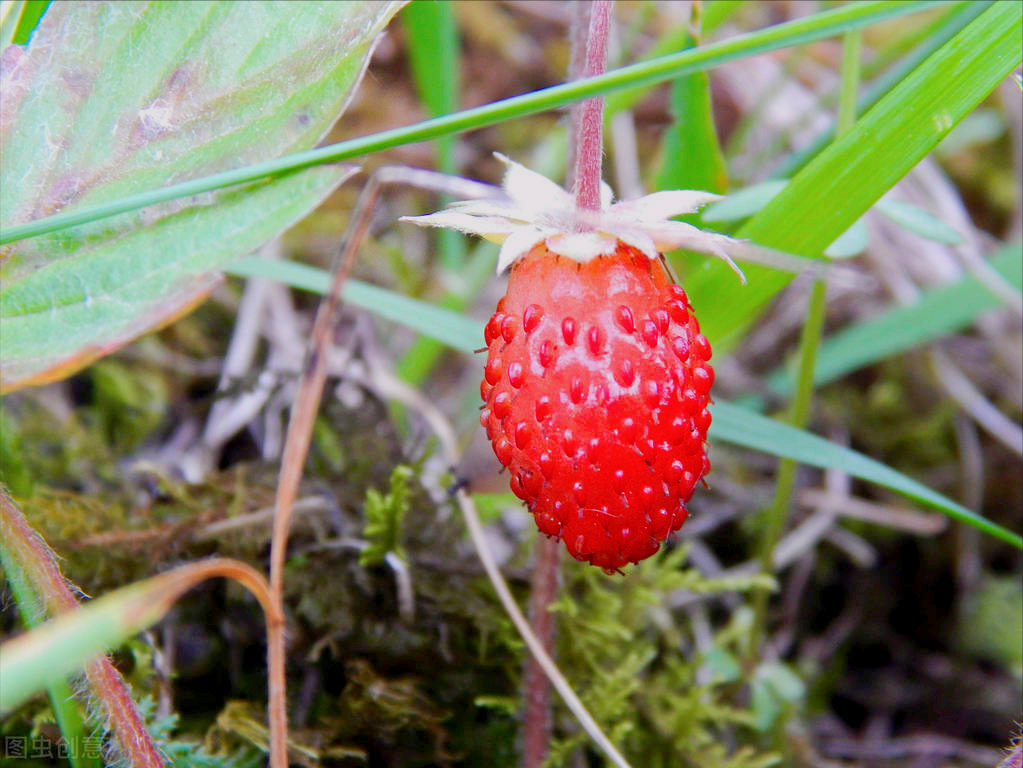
<point>32,565</point>
<point>588,133</point>
<point>536,725</point>
<point>296,449</point>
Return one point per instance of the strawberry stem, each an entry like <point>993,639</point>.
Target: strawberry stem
<point>536,725</point>
<point>589,128</point>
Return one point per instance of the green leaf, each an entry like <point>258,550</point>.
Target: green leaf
<point>743,203</point>
<point>733,424</point>
<point>723,666</point>
<point>775,688</point>
<point>839,185</point>
<point>130,96</point>
<point>849,243</point>
<point>765,705</point>
<point>72,311</point>
<point>918,221</point>
<point>783,681</point>
<point>453,329</point>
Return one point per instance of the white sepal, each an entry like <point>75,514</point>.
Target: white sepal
<point>581,246</point>
<point>663,205</point>
<point>518,244</point>
<point>536,210</point>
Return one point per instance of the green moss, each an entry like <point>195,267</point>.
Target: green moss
<point>385,514</point>
<point>636,669</point>
<point>129,402</point>
<point>992,626</point>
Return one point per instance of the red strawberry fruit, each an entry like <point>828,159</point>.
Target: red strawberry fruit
<point>596,390</point>
<point>597,378</point>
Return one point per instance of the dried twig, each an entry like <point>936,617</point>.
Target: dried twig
<point>926,744</point>
<point>919,523</point>
<point>983,411</point>
<point>296,447</point>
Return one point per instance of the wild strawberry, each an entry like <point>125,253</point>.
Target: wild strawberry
<point>596,390</point>
<point>597,378</point>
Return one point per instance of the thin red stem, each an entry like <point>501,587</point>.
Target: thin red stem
<point>536,726</point>
<point>589,139</point>
<point>38,566</point>
<point>296,449</point>
<point>580,31</point>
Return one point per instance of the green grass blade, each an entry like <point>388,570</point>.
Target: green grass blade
<point>840,184</point>
<point>690,152</point>
<point>918,221</point>
<point>62,700</point>
<point>937,312</point>
<point>455,330</point>
<point>9,15</point>
<point>73,729</point>
<point>747,201</point>
<point>52,651</point>
<point>739,426</point>
<point>31,14</point>
<point>433,54</point>
<point>958,17</point>
<point>744,202</point>
<point>797,32</point>
<point>33,613</point>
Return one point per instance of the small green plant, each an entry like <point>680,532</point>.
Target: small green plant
<point>385,515</point>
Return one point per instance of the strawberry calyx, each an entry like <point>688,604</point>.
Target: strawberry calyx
<point>531,209</point>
